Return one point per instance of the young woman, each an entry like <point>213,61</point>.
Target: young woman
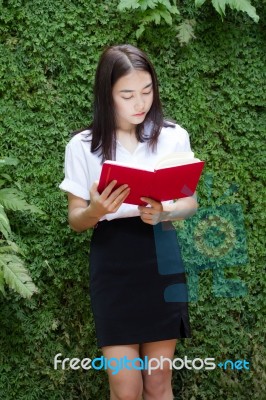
<point>132,247</point>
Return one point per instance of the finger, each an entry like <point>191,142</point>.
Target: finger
<point>124,194</point>
<point>142,208</point>
<point>109,188</point>
<point>148,210</point>
<point>117,202</point>
<point>117,192</point>
<point>150,219</point>
<point>155,204</point>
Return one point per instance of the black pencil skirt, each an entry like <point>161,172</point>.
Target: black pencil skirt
<point>137,283</point>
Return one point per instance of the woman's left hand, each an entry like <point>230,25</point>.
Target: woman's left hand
<point>151,213</point>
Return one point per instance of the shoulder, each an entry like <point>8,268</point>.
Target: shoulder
<point>80,143</point>
<point>78,149</point>
<point>79,139</point>
<point>174,133</point>
<point>173,138</point>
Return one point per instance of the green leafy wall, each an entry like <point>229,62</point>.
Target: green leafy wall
<point>214,88</point>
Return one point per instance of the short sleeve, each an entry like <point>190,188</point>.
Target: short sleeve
<point>76,172</point>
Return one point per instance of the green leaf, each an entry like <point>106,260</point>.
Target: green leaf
<point>245,6</point>
<point>14,247</point>
<point>239,5</point>
<point>140,30</point>
<point>186,31</point>
<point>199,3</point>
<point>152,16</point>
<point>16,276</point>
<point>145,4</point>
<point>8,161</point>
<point>219,6</point>
<point>12,199</point>
<point>7,246</point>
<point>166,16</point>
<point>6,249</point>
<point>165,4</point>
<point>2,282</point>
<point>174,10</point>
<point>128,4</point>
<point>6,177</point>
<point>4,223</point>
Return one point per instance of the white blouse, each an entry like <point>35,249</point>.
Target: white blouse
<point>82,167</point>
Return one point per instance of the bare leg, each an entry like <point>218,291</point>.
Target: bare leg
<point>157,385</point>
<point>125,384</point>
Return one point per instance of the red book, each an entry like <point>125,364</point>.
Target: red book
<point>174,176</point>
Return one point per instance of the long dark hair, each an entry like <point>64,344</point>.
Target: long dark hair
<point>115,62</point>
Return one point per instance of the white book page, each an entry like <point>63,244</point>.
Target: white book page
<point>175,159</point>
<point>174,163</point>
<point>129,165</point>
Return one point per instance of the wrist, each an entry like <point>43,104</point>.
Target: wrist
<point>171,212</point>
<point>167,212</point>
<point>168,207</point>
<point>92,213</point>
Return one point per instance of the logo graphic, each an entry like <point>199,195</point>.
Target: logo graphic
<point>214,238</point>
<point>170,262</point>
<point>149,364</point>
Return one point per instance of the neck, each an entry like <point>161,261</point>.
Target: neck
<point>128,139</point>
<point>128,131</point>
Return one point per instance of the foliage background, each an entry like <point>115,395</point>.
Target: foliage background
<point>214,88</point>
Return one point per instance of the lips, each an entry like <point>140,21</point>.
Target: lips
<point>139,115</point>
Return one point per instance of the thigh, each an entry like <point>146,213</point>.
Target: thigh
<point>160,354</point>
<point>124,379</point>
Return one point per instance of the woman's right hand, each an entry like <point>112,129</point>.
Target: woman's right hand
<point>108,201</point>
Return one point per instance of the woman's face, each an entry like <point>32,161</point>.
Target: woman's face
<point>133,97</point>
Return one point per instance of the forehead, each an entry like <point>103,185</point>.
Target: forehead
<point>135,80</point>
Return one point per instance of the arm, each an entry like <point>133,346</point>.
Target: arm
<point>157,212</point>
<point>181,209</point>
<point>82,216</point>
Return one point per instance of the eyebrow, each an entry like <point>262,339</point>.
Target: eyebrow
<point>129,91</point>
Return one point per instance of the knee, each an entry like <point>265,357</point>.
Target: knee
<point>126,392</point>
<point>158,382</point>
<point>126,395</point>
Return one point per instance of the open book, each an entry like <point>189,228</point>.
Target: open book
<point>173,177</point>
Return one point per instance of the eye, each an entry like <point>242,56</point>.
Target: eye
<point>148,92</point>
<point>127,98</point>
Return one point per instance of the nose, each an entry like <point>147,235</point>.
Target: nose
<point>139,104</point>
